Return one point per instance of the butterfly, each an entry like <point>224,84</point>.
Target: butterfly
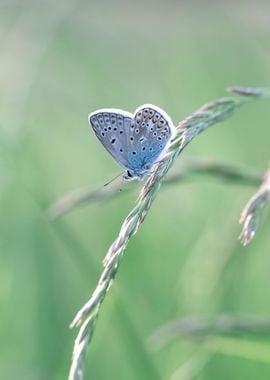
<point>136,141</point>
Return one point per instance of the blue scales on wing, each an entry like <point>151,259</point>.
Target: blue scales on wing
<point>150,133</point>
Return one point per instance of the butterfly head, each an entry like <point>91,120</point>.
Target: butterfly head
<point>130,175</point>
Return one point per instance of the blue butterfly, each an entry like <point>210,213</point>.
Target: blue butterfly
<point>136,141</point>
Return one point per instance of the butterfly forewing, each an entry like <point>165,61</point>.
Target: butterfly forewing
<point>110,127</point>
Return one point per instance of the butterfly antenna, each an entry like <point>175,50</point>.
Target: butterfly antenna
<point>114,178</point>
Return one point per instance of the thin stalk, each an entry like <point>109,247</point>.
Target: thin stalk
<point>250,216</point>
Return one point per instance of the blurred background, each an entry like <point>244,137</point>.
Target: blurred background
<point>62,60</point>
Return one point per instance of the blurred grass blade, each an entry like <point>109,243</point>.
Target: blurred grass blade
<point>193,367</point>
<point>203,327</point>
<point>247,349</point>
<point>251,92</point>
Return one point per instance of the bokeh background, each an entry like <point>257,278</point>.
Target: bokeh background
<point>58,62</point>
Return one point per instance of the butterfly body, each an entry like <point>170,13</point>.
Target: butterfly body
<point>135,141</point>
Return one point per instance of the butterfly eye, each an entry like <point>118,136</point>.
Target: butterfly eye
<point>129,175</point>
<point>113,141</point>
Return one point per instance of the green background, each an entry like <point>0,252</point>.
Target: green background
<point>58,62</point>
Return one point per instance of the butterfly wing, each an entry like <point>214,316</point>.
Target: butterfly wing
<point>148,136</point>
<point>110,126</point>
